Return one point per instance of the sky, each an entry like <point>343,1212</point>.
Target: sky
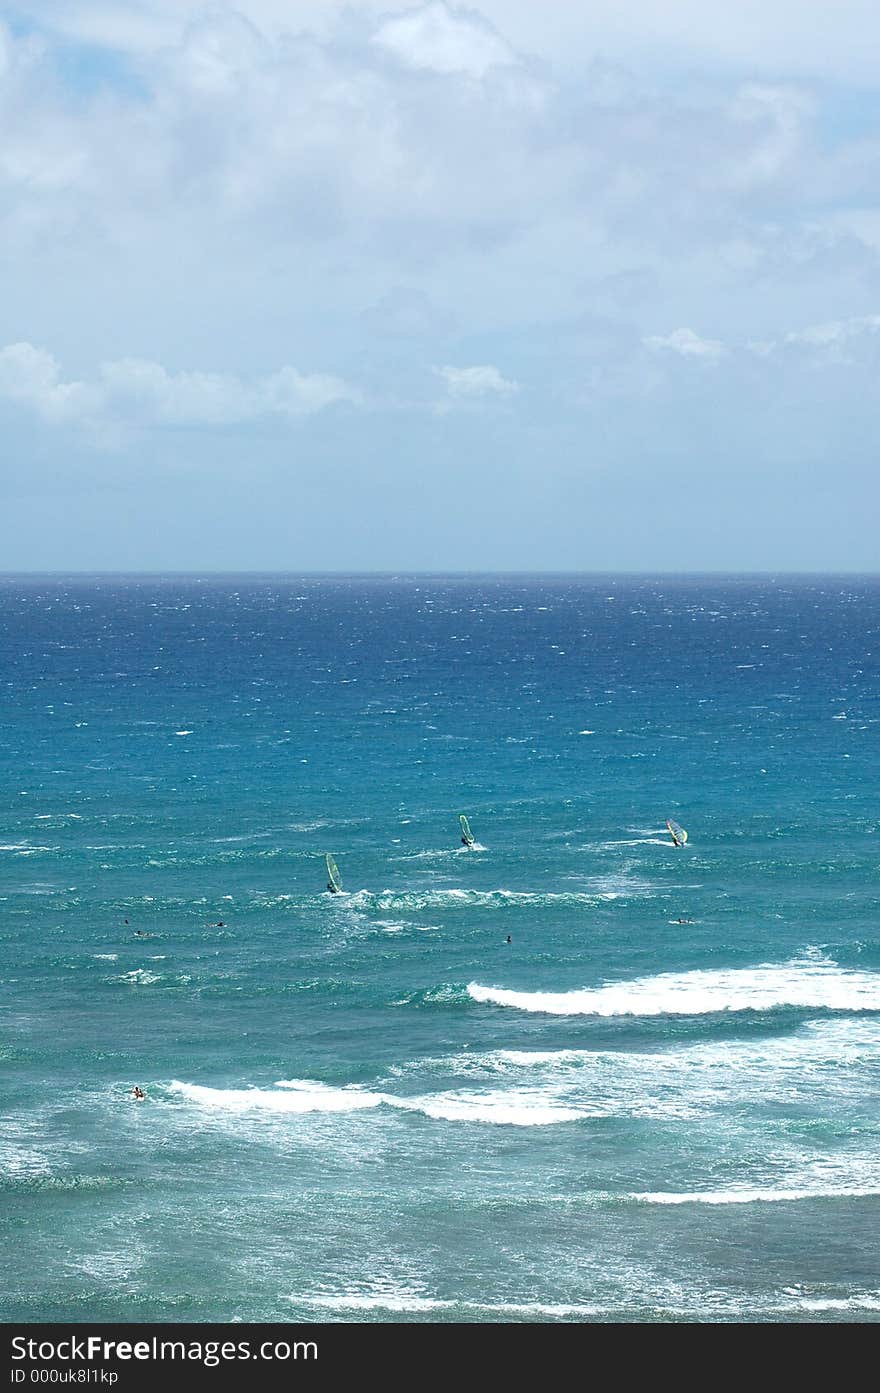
<point>299,285</point>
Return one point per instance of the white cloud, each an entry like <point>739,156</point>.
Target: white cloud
<point>445,41</point>
<point>774,120</point>
<point>136,391</point>
<point>804,37</point>
<point>31,377</point>
<point>292,393</point>
<point>476,381</point>
<point>686,343</point>
<point>836,333</point>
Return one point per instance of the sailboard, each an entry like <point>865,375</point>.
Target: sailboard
<point>467,836</point>
<point>678,834</point>
<point>334,884</point>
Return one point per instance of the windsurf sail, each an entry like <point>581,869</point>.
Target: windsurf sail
<point>467,835</point>
<point>678,834</point>
<point>334,884</point>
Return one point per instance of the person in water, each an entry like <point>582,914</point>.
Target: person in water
<point>509,939</point>
<point>138,1092</point>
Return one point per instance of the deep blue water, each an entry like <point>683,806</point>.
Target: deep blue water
<point>372,1106</point>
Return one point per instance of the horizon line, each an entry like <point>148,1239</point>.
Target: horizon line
<point>434,574</point>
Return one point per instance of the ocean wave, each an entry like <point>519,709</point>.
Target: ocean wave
<point>139,977</point>
<point>446,994</point>
<point>452,898</point>
<point>439,853</point>
<point>523,1109</point>
<point>288,1096</point>
<point>30,1183</point>
<point>25,849</point>
<point>404,1300</point>
<point>637,841</point>
<point>758,1194</point>
<point>816,985</point>
<point>144,977</point>
<point>704,1304</point>
<point>511,1109</point>
<point>833,1061</point>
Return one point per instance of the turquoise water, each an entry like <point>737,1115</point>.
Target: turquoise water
<point>373,1106</point>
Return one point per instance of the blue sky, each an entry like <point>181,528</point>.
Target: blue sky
<point>304,285</point>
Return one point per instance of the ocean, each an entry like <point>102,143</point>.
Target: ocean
<point>573,1074</point>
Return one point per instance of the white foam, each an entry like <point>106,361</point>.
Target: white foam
<point>638,841</point>
<point>815,985</point>
<point>833,1060</point>
<point>405,1300</point>
<point>868,1301</point>
<point>25,849</point>
<point>479,899</point>
<point>511,1108</point>
<point>288,1096</point>
<point>759,1194</point>
<point>385,1301</point>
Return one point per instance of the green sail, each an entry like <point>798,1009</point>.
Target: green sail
<point>333,873</point>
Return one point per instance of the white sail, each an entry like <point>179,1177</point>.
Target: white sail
<point>334,884</point>
<point>677,832</point>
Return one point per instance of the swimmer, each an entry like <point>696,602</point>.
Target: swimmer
<point>138,1093</point>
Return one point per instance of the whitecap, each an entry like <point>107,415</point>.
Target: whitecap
<point>288,1096</point>
<point>811,984</point>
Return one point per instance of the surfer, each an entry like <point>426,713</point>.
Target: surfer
<point>509,939</point>
<point>138,1092</point>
